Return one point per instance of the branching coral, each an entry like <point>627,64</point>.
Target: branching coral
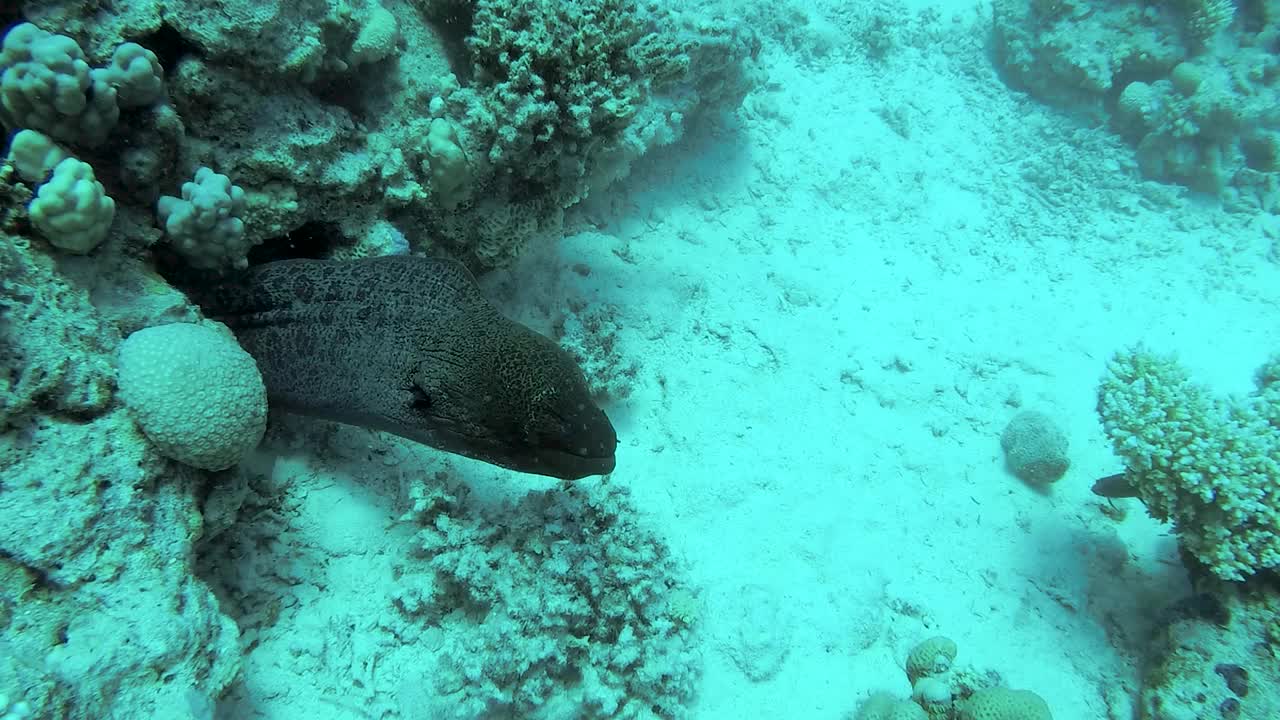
<point>559,76</point>
<point>1209,466</point>
<point>557,99</point>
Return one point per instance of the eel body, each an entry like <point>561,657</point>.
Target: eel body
<point>409,345</point>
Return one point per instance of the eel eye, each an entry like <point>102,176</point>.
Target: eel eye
<point>421,400</point>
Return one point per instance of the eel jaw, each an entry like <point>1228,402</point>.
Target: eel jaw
<point>521,457</point>
<point>550,462</point>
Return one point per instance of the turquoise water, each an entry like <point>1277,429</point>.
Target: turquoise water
<point>815,261</point>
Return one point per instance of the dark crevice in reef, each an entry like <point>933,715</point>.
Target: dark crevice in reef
<point>311,240</point>
<point>454,20</point>
<point>169,46</point>
<point>360,96</point>
<point>9,16</point>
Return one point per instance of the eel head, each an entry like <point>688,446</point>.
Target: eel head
<point>506,395</point>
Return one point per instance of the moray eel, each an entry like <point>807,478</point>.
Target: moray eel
<point>409,345</point>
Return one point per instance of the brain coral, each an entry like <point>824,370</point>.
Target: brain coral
<point>194,392</point>
<point>1035,448</point>
<point>1003,704</point>
<point>884,706</point>
<point>931,657</point>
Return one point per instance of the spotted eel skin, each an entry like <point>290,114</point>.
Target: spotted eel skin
<point>409,345</point>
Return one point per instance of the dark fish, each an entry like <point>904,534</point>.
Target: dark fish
<point>1115,486</point>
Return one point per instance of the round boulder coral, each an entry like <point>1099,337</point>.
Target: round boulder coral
<point>1003,704</point>
<point>1035,448</point>
<point>883,706</point>
<point>931,657</point>
<point>197,396</point>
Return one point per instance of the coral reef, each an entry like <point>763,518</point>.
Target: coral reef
<point>940,690</point>
<point>561,99</point>
<point>181,138</point>
<point>97,530</point>
<point>482,123</point>
<point>1214,655</point>
<point>1192,84</point>
<point>561,606</point>
<point>1208,465</point>
<point>56,347</point>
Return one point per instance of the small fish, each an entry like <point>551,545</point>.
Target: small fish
<point>1115,486</point>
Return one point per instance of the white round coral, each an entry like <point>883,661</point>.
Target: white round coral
<point>204,224</point>
<point>194,392</point>
<point>72,210</point>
